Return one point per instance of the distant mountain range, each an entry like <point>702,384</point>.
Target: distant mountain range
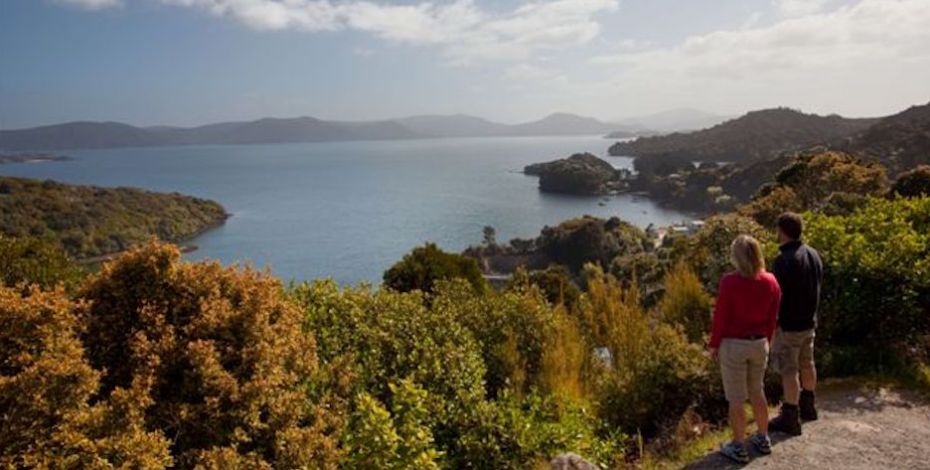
<point>80,135</point>
<point>755,135</point>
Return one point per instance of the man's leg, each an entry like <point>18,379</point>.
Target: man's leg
<point>808,410</point>
<point>785,360</point>
<point>791,387</point>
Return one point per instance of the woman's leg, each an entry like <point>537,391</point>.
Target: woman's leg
<point>754,384</point>
<point>738,421</point>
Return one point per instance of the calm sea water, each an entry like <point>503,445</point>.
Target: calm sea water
<point>348,210</point>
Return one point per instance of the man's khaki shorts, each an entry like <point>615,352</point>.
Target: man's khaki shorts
<point>742,365</point>
<point>792,351</point>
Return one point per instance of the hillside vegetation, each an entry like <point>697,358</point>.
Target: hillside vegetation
<point>155,362</point>
<point>90,221</point>
<point>900,141</point>
<point>756,135</point>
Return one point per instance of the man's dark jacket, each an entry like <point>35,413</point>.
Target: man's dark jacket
<point>799,271</point>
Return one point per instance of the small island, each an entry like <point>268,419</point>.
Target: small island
<point>31,157</point>
<point>581,173</point>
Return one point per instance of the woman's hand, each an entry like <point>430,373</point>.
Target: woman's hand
<point>715,354</point>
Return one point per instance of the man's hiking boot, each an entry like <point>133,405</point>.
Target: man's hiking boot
<point>806,406</point>
<point>735,452</point>
<point>762,443</point>
<point>787,421</point>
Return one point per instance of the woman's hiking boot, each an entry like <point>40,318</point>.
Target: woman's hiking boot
<point>735,452</point>
<point>806,406</point>
<point>762,443</point>
<point>787,420</point>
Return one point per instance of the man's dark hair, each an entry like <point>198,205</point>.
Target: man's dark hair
<point>790,224</point>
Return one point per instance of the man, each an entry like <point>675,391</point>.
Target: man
<point>799,271</point>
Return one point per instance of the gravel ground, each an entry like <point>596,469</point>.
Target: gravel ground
<point>860,427</point>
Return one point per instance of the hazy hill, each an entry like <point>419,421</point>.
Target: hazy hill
<point>900,141</point>
<point>454,125</point>
<point>76,135</point>
<point>758,134</point>
<point>563,124</point>
<point>462,125</point>
<point>673,120</point>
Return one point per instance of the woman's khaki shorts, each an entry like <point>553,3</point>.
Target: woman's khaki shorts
<point>742,365</point>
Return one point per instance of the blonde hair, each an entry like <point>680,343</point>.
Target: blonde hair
<point>746,256</point>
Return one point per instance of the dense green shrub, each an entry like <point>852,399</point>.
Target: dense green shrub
<point>387,336</point>
<point>400,438</point>
<point>36,261</point>
<point>516,432</point>
<point>219,353</point>
<point>877,276</point>
<point>422,267</point>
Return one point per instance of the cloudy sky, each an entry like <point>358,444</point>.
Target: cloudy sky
<point>190,62</point>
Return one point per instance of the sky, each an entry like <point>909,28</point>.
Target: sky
<point>190,62</point>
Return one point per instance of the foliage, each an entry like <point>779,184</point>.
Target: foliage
<point>388,336</point>
<point>46,387</point>
<point>589,239</point>
<point>422,267</point>
<point>812,182</point>
<point>655,374</point>
<point>90,221</point>
<point>686,303</point>
<point>877,268</point>
<point>900,141</point>
<point>517,432</point>
<point>219,354</point>
<point>555,282</point>
<point>36,261</point>
<point>913,183</point>
<point>708,251</point>
<point>401,438</point>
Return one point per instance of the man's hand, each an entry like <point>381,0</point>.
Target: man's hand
<point>715,354</point>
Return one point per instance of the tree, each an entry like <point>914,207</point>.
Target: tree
<point>46,388</point>
<point>490,235</point>
<point>220,355</point>
<point>913,183</point>
<point>36,261</point>
<point>424,266</point>
<point>686,303</point>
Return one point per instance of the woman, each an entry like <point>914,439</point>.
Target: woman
<point>744,321</point>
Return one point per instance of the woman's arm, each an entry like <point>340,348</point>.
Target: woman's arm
<point>721,315</point>
<point>773,311</point>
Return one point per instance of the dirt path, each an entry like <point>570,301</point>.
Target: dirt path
<point>860,427</point>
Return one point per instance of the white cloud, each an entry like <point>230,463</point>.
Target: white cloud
<point>529,72</point>
<point>92,4</point>
<point>794,8</point>
<point>870,53</point>
<point>464,32</point>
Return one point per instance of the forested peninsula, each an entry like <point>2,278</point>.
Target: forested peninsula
<point>91,221</point>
